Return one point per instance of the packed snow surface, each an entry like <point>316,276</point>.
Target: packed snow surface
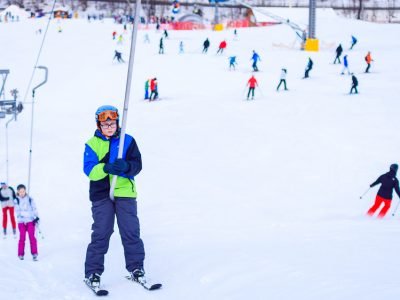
<point>237,199</point>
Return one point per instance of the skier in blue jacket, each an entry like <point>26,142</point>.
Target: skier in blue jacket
<point>345,65</point>
<point>255,58</point>
<point>232,62</point>
<point>353,42</point>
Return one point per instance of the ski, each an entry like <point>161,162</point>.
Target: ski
<point>96,289</point>
<point>148,285</point>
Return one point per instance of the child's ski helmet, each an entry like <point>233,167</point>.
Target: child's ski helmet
<point>106,112</point>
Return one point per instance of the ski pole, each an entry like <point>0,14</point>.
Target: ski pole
<point>395,210</point>
<point>127,92</point>
<point>39,231</point>
<point>365,193</point>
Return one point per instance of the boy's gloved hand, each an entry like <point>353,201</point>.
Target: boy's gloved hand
<point>121,165</point>
<point>36,220</point>
<point>117,167</point>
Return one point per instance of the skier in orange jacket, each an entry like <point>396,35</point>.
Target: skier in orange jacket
<point>368,59</point>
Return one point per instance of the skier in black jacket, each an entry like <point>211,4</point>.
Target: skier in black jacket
<point>354,84</point>
<point>388,182</point>
<point>206,44</point>
<point>339,51</point>
<point>309,67</point>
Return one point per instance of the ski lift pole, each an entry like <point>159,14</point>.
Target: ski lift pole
<point>8,122</point>
<point>127,92</point>
<point>32,115</point>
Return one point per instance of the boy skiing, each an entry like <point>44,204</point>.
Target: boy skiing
<point>27,217</point>
<point>388,182</point>
<point>255,58</point>
<point>7,197</point>
<point>354,84</point>
<point>308,68</point>
<point>100,165</point>
<point>252,83</point>
<point>339,51</point>
<point>368,60</point>
<point>283,80</point>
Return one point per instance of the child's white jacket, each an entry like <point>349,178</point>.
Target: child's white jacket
<point>26,209</point>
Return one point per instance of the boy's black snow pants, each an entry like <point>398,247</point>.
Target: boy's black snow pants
<point>103,213</point>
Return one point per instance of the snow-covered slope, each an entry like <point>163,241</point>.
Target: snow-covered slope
<point>237,199</point>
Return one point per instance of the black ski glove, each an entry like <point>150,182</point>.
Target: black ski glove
<point>36,220</point>
<point>117,167</point>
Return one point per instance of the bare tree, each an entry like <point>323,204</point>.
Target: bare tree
<point>359,10</point>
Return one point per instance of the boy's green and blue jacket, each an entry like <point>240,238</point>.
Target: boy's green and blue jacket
<point>98,151</point>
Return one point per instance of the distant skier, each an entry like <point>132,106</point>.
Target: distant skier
<point>161,46</point>
<point>232,62</point>
<point>118,56</point>
<point>368,60</point>
<point>389,182</point>
<point>146,89</point>
<point>158,26</point>
<point>7,197</point>
<point>165,33</point>
<point>339,51</point>
<point>252,83</point>
<point>146,38</point>
<point>120,39</point>
<point>308,68</point>
<point>114,35</point>
<point>283,79</point>
<point>222,46</point>
<point>27,217</point>
<point>353,42</point>
<point>235,34</point>
<point>181,50</point>
<point>206,44</point>
<point>154,89</point>
<point>354,84</point>
<point>345,65</point>
<point>255,58</point>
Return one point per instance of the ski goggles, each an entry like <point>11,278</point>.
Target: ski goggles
<point>107,114</point>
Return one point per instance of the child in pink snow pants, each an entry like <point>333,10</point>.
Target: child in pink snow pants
<point>27,217</point>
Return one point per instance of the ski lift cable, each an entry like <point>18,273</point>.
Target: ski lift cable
<point>40,51</point>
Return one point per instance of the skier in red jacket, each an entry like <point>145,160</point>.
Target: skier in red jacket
<point>222,46</point>
<point>154,89</point>
<point>252,83</point>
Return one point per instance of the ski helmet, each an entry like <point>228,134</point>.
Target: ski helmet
<point>394,167</point>
<point>106,112</point>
